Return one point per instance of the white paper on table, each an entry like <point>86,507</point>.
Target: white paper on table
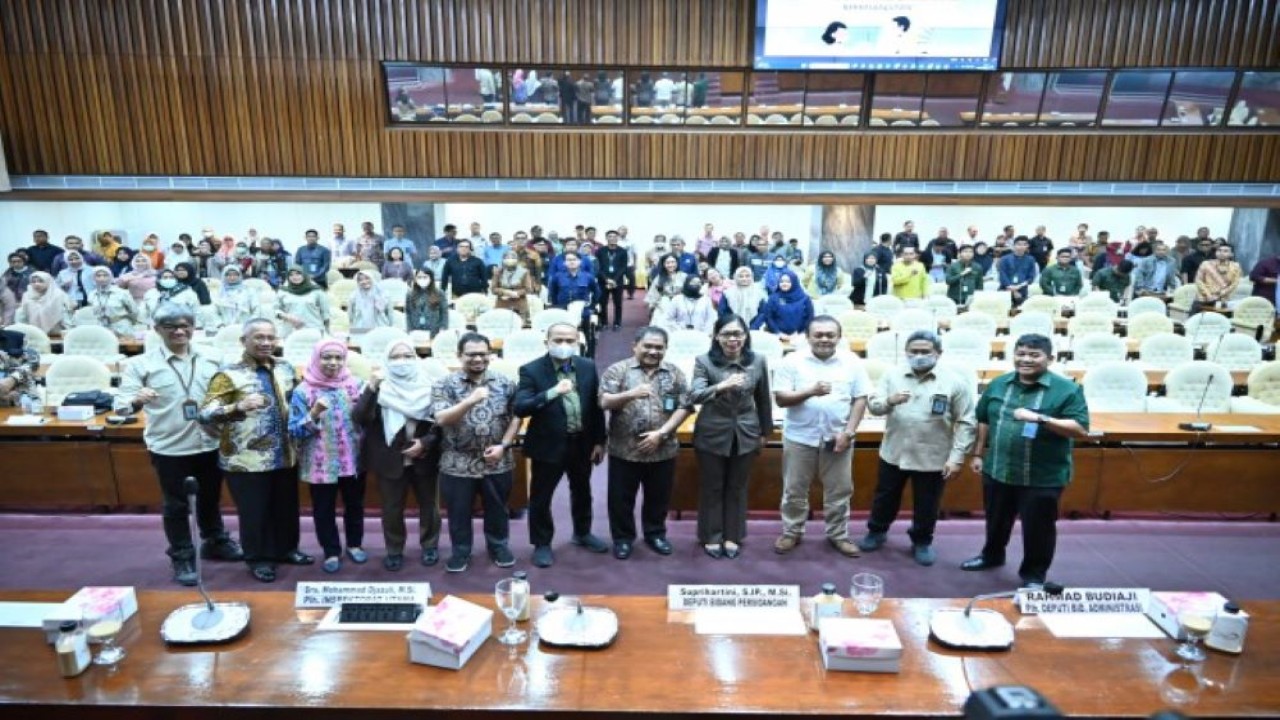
<point>1101,625</point>
<point>25,614</point>
<point>1237,428</point>
<point>748,621</point>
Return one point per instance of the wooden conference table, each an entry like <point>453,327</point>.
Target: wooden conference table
<point>1138,462</point>
<point>658,667</point>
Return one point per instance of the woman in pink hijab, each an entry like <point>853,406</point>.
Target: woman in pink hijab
<point>320,420</point>
<point>140,279</point>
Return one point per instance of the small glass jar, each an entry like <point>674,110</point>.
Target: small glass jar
<point>72,648</point>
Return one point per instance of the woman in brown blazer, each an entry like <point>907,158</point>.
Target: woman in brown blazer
<point>511,285</point>
<point>402,449</point>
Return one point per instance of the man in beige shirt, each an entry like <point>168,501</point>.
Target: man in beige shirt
<point>929,426</point>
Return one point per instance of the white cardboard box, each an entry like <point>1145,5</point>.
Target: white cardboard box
<point>1165,607</point>
<point>449,633</point>
<point>859,644</point>
<point>75,413</point>
<point>86,602</point>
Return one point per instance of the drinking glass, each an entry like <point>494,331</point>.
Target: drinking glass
<point>104,626</point>
<point>1195,625</point>
<point>511,595</point>
<point>867,590</point>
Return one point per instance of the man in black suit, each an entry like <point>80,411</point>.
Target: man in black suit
<point>559,393</point>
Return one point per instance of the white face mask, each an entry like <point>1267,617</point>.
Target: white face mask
<point>562,352</point>
<point>167,283</point>
<point>422,283</point>
<point>149,247</point>
<point>402,368</point>
<point>922,363</point>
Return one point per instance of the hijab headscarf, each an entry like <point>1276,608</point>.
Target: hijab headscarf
<point>744,301</point>
<point>714,290</point>
<point>172,292</point>
<point>194,282</point>
<point>229,287</point>
<point>227,249</point>
<point>119,266</point>
<point>49,309</point>
<point>405,393</point>
<point>795,294</point>
<point>316,378</point>
<point>81,280</point>
<point>302,288</point>
<point>826,277</point>
<point>773,272</point>
<point>371,302</point>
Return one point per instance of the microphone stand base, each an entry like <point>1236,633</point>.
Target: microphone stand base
<point>1195,426</point>
<point>196,624</point>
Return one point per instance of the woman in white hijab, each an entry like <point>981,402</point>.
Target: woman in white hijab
<point>45,305</point>
<point>113,308</point>
<point>744,297</point>
<point>402,450</point>
<point>368,307</point>
<point>236,303</point>
<point>76,279</point>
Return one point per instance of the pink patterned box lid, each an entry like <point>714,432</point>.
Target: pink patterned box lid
<point>98,599</point>
<point>1179,602</point>
<point>451,624</point>
<point>864,638</point>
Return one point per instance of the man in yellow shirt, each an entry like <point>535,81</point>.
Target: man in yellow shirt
<point>910,278</point>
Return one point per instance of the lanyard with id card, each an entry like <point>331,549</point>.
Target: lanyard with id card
<point>190,408</point>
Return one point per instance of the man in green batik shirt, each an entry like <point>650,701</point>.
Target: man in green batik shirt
<point>1027,422</point>
<point>1114,280</point>
<point>963,277</point>
<point>1064,278</point>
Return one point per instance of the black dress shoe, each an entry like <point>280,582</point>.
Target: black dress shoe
<point>659,545</point>
<point>184,572</point>
<point>297,557</point>
<point>590,542</point>
<point>263,573</point>
<point>979,562</point>
<point>622,549</point>
<point>221,549</point>
<point>714,551</point>
<point>393,562</point>
<point>430,556</point>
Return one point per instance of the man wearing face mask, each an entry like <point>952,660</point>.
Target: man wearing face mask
<point>559,393</point>
<point>824,391</point>
<point>929,426</point>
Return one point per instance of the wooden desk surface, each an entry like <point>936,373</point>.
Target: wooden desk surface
<point>657,666</point>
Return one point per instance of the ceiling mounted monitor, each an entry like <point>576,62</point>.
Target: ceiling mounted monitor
<point>879,35</point>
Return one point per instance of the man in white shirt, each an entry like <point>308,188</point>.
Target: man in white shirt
<point>824,391</point>
<point>169,382</point>
<point>929,426</point>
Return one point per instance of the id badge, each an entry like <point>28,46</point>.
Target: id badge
<point>1030,430</point>
<point>668,404</point>
<point>939,405</point>
<point>190,410</point>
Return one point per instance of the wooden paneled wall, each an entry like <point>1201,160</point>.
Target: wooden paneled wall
<point>293,87</point>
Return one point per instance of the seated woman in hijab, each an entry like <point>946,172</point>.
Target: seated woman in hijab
<point>744,297</point>
<point>188,276</point>
<point>667,284</point>
<point>301,304</point>
<point>121,261</point>
<point>45,305</point>
<point>168,289</point>
<point>236,303</point>
<point>691,310</point>
<point>141,279</point>
<point>825,277</point>
<point>113,308</point>
<point>870,280</point>
<point>776,268</point>
<point>788,310</point>
<point>76,279</point>
<point>368,307</point>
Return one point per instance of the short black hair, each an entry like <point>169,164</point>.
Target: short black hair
<point>449,227</point>
<point>885,237</point>
<point>1034,341</point>
<point>1065,251</point>
<point>472,337</point>
<point>824,319</point>
<point>647,330</point>
<point>1125,267</point>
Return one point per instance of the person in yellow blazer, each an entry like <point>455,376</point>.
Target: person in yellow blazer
<point>909,277</point>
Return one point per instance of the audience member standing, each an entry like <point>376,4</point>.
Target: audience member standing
<point>963,277</point>
<point>824,392</point>
<point>315,259</point>
<point>1158,274</point>
<point>140,279</point>
<point>247,403</point>
<point>368,307</point>
<point>1217,280</point>
<point>613,260</point>
<point>1062,279</point>
<point>929,426</point>
<point>910,278</point>
<point>42,253</point>
<point>559,393</point>
<point>744,297</point>
<point>45,306</point>
<point>464,273</point>
<point>512,284</point>
<point>788,309</point>
<point>301,303</point>
<point>425,307</point>
<point>647,401</point>
<point>476,409</point>
<point>236,304</point>
<point>1017,271</point>
<point>168,382</point>
<point>731,384</point>
<point>402,448</point>
<point>1027,422</point>
<point>113,308</point>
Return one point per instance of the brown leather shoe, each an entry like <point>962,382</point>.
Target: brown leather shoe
<point>786,544</point>
<point>846,547</point>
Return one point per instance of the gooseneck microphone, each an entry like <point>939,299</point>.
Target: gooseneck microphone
<point>1053,589</point>
<point>1199,425</point>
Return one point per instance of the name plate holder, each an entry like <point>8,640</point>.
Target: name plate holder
<point>1084,601</point>
<point>321,595</point>
<point>733,597</point>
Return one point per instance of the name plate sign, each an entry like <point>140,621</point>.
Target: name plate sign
<point>328,594</point>
<point>693,597</point>
<point>1084,600</point>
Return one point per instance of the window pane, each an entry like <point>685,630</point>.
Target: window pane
<point>1198,98</point>
<point>833,99</point>
<point>599,94</point>
<point>534,96</point>
<point>1013,99</point>
<point>1072,98</point>
<point>416,92</point>
<point>777,98</point>
<point>715,98</point>
<point>472,94</point>
<point>660,97</point>
<point>948,97</point>
<point>1137,98</point>
<point>897,99</point>
<point>1258,102</point>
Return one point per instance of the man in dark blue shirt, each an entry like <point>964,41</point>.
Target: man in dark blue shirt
<point>1017,271</point>
<point>448,241</point>
<point>687,260</point>
<point>613,260</point>
<point>315,259</point>
<point>465,272</point>
<point>42,253</point>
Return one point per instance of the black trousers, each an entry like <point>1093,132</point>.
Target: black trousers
<point>1037,507</point>
<point>459,495</point>
<point>324,511</point>
<point>176,511</point>
<point>926,498</point>
<point>267,504</point>
<point>722,496</point>
<point>630,281</point>
<point>546,476</point>
<point>606,296</point>
<point>394,492</point>
<point>626,478</point>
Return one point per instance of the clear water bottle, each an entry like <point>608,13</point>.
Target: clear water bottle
<point>522,578</point>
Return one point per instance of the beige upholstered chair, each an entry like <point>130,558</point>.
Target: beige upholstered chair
<point>550,316</point>
<point>68,374</point>
<point>1145,325</point>
<point>908,321</point>
<point>498,323</point>
<point>980,323</point>
<point>1164,351</point>
<point>767,344</point>
<point>1192,385</point>
<point>374,344</point>
<point>1264,391</point>
<point>1145,305</point>
<point>1205,328</point>
<point>1253,312</point>
<point>37,339</point>
<point>858,324</point>
<point>296,348</point>
<point>971,347</point>
<point>1094,349</point>
<point>524,345</point>
<point>92,341</point>
<point>885,306</point>
<point>886,347</point>
<point>1236,351</point>
<point>1115,386</point>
